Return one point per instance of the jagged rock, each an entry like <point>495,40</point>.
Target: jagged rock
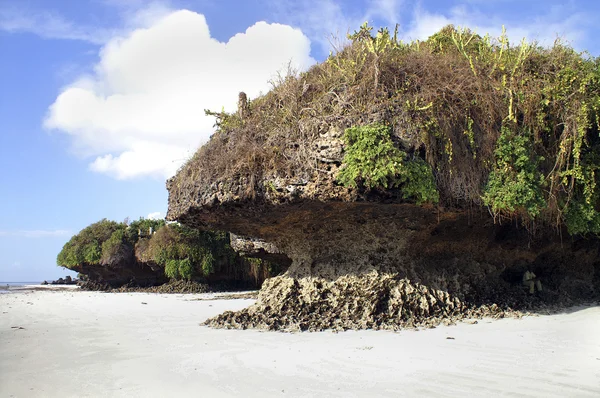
<point>370,301</point>
<point>180,287</point>
<point>329,146</point>
<point>258,248</point>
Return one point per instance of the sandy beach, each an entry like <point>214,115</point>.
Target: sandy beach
<point>88,344</point>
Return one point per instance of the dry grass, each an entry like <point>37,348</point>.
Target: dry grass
<point>445,99</point>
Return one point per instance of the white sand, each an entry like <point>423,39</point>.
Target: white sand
<point>78,344</point>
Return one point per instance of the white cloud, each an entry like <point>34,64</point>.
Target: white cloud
<point>544,28</point>
<point>157,215</point>
<point>142,111</point>
<point>37,233</point>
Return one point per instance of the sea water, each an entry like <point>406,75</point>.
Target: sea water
<point>7,287</point>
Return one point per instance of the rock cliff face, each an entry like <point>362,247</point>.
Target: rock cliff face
<point>337,241</point>
<point>135,274</point>
<point>116,275</point>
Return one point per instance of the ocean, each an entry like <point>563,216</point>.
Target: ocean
<point>6,287</point>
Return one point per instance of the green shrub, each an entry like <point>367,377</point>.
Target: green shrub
<point>208,264</point>
<point>372,160</point>
<point>186,269</point>
<point>582,218</point>
<point>515,183</point>
<point>172,268</point>
<point>86,246</point>
<point>115,248</point>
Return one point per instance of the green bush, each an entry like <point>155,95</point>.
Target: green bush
<point>199,253</point>
<point>208,264</point>
<point>515,183</point>
<point>186,269</point>
<point>172,268</point>
<point>372,160</point>
<point>86,246</point>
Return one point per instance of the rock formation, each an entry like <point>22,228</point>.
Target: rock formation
<point>371,253</point>
<point>146,253</point>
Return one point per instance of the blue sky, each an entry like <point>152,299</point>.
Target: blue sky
<point>102,100</point>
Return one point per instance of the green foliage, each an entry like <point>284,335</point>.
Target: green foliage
<point>515,183</point>
<point>582,218</point>
<point>418,182</point>
<point>197,253</point>
<point>172,268</point>
<point>92,252</point>
<point>186,269</point>
<point>208,264</point>
<point>141,228</point>
<point>582,215</point>
<point>185,253</point>
<point>372,159</point>
<point>86,246</point>
<point>224,121</point>
<point>112,247</point>
<point>379,43</point>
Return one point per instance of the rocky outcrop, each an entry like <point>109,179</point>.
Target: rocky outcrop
<point>371,301</point>
<point>336,236</point>
<point>179,287</point>
<point>347,256</point>
<point>366,256</point>
<point>116,275</point>
<point>67,280</point>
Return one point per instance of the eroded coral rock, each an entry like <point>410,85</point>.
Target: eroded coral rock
<point>371,301</point>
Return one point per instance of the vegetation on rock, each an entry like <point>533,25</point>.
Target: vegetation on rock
<point>372,160</point>
<point>182,253</point>
<point>511,127</point>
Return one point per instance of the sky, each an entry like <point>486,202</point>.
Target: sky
<point>102,100</point>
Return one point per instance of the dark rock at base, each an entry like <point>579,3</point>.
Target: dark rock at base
<point>170,287</point>
<point>371,301</point>
<point>60,281</point>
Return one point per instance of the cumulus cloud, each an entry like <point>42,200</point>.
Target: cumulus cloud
<point>37,233</point>
<point>157,215</point>
<point>142,110</point>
